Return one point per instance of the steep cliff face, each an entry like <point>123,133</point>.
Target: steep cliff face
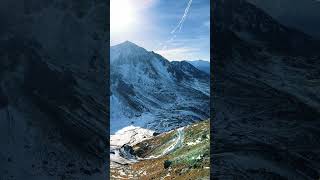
<point>265,96</point>
<point>53,90</point>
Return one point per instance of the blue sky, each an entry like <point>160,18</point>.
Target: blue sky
<point>151,24</point>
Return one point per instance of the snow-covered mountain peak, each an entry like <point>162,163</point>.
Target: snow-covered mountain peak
<point>128,45</point>
<point>127,49</point>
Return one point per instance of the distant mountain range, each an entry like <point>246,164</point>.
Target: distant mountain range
<point>149,91</point>
<point>265,96</point>
<point>201,65</point>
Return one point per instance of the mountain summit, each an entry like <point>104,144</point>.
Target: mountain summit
<point>122,51</point>
<point>127,45</point>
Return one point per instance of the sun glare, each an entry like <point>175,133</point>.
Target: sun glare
<point>122,15</point>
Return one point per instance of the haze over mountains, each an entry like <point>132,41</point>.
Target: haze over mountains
<point>265,95</point>
<point>149,91</point>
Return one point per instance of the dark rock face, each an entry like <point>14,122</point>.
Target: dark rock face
<point>167,164</point>
<point>53,95</point>
<point>128,148</point>
<point>127,152</point>
<point>265,97</point>
<point>155,134</point>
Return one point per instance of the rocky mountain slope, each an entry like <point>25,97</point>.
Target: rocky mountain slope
<point>265,96</point>
<point>178,154</point>
<point>53,90</point>
<point>150,92</point>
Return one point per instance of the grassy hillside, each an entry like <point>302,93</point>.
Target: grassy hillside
<point>183,153</point>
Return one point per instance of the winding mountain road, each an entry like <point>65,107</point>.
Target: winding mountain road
<point>178,141</point>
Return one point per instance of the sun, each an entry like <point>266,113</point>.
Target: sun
<point>122,15</point>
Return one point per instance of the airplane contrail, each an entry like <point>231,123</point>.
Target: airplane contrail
<point>178,27</point>
<point>183,18</point>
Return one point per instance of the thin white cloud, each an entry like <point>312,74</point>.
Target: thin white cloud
<point>186,49</point>
<point>178,54</point>
<point>178,27</point>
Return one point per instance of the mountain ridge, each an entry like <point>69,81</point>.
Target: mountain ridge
<point>201,65</point>
<point>147,83</point>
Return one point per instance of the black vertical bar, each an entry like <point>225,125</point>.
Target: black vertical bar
<point>107,49</point>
